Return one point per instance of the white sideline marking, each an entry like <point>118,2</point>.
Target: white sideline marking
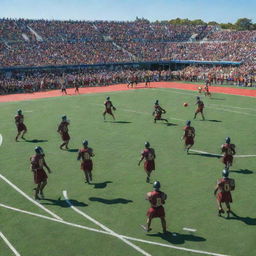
<point>28,111</point>
<point>201,94</point>
<point>140,112</point>
<point>9,244</point>
<point>107,233</point>
<point>211,106</point>
<point>29,198</point>
<point>189,229</point>
<point>174,247</point>
<point>104,227</point>
<point>204,152</point>
<point>1,139</point>
<point>53,219</point>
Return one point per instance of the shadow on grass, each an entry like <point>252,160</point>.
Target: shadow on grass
<point>247,220</point>
<point>121,122</point>
<point>242,171</point>
<point>178,238</point>
<point>110,201</point>
<point>35,141</point>
<point>204,154</point>
<point>101,185</point>
<point>213,120</point>
<point>62,203</point>
<point>170,124</point>
<point>73,150</point>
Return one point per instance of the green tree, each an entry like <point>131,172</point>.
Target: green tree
<point>244,24</point>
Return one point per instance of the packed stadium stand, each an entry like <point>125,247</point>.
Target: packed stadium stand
<point>39,43</point>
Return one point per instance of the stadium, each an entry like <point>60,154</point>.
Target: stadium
<point>127,137</point>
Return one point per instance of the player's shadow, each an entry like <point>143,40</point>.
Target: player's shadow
<point>178,238</point>
<point>110,201</point>
<point>121,122</point>
<point>62,203</point>
<point>213,120</point>
<point>247,220</point>
<point>205,154</point>
<point>35,141</point>
<point>242,171</point>
<point>170,124</point>
<point>73,150</point>
<point>101,185</point>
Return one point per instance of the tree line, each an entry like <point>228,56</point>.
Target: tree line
<point>240,24</point>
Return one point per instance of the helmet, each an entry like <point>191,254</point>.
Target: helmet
<point>225,173</point>
<point>147,144</point>
<point>108,98</point>
<point>64,117</point>
<point>19,111</point>
<point>85,143</point>
<point>157,102</point>
<point>198,98</point>
<point>228,140</point>
<point>39,150</point>
<point>156,185</point>
<point>188,123</point>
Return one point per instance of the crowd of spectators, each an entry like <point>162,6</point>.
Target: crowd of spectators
<point>20,82</point>
<point>53,43</point>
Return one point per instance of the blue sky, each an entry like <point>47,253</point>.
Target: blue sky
<point>207,10</point>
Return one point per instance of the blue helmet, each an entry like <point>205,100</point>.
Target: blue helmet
<point>19,111</point>
<point>39,150</point>
<point>225,173</point>
<point>188,123</point>
<point>147,144</point>
<point>228,140</point>
<point>64,117</point>
<point>85,143</point>
<point>156,185</point>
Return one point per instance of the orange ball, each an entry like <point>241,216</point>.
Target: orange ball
<point>185,104</point>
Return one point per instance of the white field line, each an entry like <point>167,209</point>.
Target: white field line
<point>189,229</point>
<point>175,247</point>
<point>219,107</point>
<point>140,112</point>
<point>29,198</point>
<point>204,152</point>
<point>1,139</point>
<point>196,92</point>
<point>9,244</point>
<point>28,111</point>
<point>53,219</point>
<point>104,227</point>
<point>107,233</point>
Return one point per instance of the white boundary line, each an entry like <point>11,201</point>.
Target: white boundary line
<point>53,219</point>
<point>220,155</point>
<point>107,233</point>
<point>104,227</point>
<point>29,198</point>
<point>9,244</point>
<point>1,139</point>
<point>211,106</point>
<point>140,112</point>
<point>195,91</point>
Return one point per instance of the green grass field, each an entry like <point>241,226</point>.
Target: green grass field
<point>116,199</point>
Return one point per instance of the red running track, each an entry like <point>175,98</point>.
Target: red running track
<point>123,87</point>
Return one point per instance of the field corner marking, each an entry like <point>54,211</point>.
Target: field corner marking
<point>137,248</point>
<point>29,198</point>
<point>9,244</point>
